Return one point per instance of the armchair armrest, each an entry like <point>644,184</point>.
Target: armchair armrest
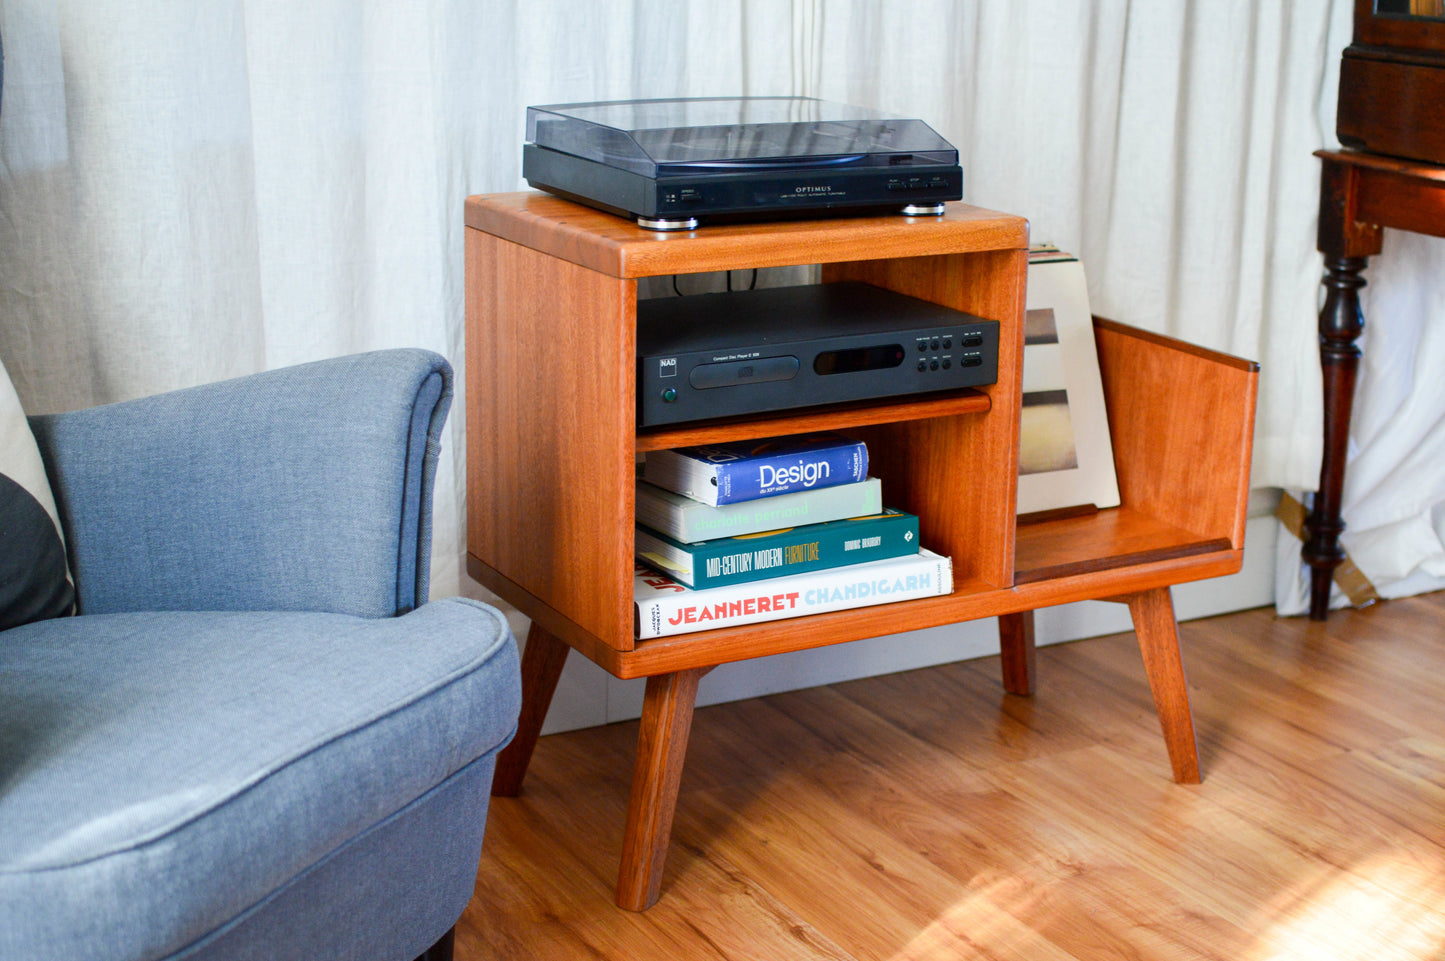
<point>305,488</point>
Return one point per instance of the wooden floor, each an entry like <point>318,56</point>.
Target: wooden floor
<point>929,815</point>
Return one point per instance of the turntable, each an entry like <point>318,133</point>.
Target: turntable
<point>673,163</point>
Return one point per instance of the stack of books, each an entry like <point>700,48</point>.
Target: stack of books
<point>766,529</point>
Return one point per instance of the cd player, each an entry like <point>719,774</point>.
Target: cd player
<point>747,352</point>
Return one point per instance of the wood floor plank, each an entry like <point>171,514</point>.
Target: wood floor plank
<point>900,839</point>
<point>545,890</point>
<point>929,815</point>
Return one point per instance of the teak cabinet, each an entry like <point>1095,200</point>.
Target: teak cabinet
<point>552,443</point>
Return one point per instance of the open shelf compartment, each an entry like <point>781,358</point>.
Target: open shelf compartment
<point>552,292</point>
<point>552,438</point>
<point>1181,420</point>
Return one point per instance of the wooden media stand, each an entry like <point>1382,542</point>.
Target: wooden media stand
<point>552,441</point>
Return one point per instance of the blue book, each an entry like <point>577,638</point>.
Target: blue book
<point>746,470</point>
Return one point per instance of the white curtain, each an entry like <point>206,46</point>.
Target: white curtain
<point>193,190</point>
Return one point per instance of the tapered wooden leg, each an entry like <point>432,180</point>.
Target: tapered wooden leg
<point>542,661</point>
<point>661,747</point>
<point>1016,646</point>
<point>1158,632</point>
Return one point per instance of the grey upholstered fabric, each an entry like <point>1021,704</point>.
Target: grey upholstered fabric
<point>205,759</point>
<point>249,744</point>
<point>420,863</point>
<point>279,491</point>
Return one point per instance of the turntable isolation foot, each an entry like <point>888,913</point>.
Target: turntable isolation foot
<point>663,223</point>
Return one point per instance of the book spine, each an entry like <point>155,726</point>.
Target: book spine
<point>811,547</point>
<point>686,520</point>
<point>663,607</point>
<point>767,476</point>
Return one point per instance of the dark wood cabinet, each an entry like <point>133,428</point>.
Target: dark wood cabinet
<point>1392,83</point>
<point>1392,80</point>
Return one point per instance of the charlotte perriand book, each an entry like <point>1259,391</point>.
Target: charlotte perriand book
<point>663,607</point>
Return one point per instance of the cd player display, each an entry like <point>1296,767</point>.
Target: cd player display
<point>744,352</point>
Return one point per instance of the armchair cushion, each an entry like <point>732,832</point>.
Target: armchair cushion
<point>34,580</point>
<point>143,753</point>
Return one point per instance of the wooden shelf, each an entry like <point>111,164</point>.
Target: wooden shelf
<point>1103,541</point>
<point>619,248</point>
<point>551,393</point>
<point>551,459</point>
<point>552,444</point>
<point>836,417</point>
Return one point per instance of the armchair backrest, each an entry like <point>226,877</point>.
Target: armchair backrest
<point>305,488</point>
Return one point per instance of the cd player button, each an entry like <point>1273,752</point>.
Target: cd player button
<point>947,364</point>
<point>973,361</point>
<point>933,365</point>
<point>934,345</point>
<point>947,343</point>
<point>669,395</point>
<point>922,364</point>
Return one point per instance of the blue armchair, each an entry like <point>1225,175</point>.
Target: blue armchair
<point>256,739</point>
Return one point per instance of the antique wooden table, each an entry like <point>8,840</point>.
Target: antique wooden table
<point>1360,195</point>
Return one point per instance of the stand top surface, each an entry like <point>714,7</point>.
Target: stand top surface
<point>1416,169</point>
<point>616,246</point>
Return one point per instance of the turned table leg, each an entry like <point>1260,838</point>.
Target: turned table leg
<point>1341,322</point>
<point>542,661</point>
<point>1347,240</point>
<point>667,708</point>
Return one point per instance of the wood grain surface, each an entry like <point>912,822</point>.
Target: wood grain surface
<point>616,246</point>
<point>1181,420</point>
<point>929,815</point>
